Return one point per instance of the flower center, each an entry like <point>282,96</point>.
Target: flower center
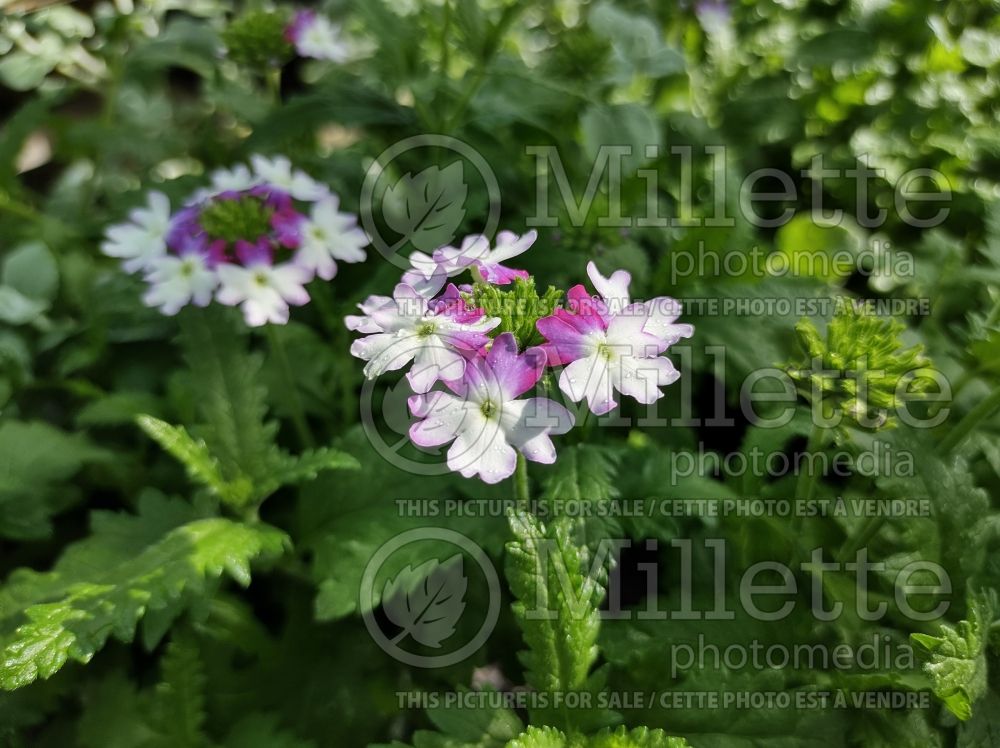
<point>187,269</point>
<point>426,329</point>
<point>488,409</point>
<point>260,279</point>
<point>246,217</point>
<point>605,350</point>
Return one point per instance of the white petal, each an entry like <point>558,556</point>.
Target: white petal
<point>587,378</point>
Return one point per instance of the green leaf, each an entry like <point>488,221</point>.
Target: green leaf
<point>18,309</point>
<point>980,47</point>
<point>35,459</point>
<point>584,473</point>
<point>557,610</point>
<point>543,737</point>
<point>641,737</point>
<point>957,664</point>
<point>32,271</point>
<point>636,40</point>
<point>344,532</point>
<point>178,706</point>
<point>99,599</point>
<point>630,125</point>
<point>23,71</point>
<point>308,465</point>
<point>486,727</point>
<point>194,455</point>
<point>826,252</point>
<point>263,731</point>
<point>427,602</point>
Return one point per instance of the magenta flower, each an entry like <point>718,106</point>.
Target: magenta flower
<point>483,418</point>
<point>610,345</point>
<point>438,336</point>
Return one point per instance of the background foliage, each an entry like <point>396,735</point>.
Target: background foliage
<point>212,599</point>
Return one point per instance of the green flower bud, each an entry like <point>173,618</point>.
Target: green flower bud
<point>518,308</point>
<point>257,39</point>
<point>860,367</point>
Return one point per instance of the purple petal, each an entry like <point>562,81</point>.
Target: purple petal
<point>500,275</point>
<point>514,374</point>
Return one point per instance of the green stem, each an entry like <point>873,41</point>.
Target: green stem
<point>805,486</point>
<point>272,79</point>
<point>521,492</point>
<point>21,210</point>
<point>868,530</point>
<point>298,411</point>
<point>972,419</point>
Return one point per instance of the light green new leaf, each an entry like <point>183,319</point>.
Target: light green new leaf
<point>557,609</point>
<point>194,455</point>
<point>957,664</point>
<point>113,598</point>
<point>641,737</point>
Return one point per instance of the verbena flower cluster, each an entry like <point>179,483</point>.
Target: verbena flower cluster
<point>254,239</point>
<point>476,350</point>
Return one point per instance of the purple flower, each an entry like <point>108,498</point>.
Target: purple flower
<point>483,418</point>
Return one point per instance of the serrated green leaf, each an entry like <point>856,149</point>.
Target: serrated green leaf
<point>557,609</point>
<point>543,737</point>
<point>112,599</point>
<point>178,705</point>
<point>957,664</point>
<point>308,465</point>
<point>230,400</point>
<point>194,455</point>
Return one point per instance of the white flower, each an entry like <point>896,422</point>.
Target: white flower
<point>263,291</point>
<point>237,179</point>
<point>141,241</point>
<point>488,263</point>
<point>612,345</point>
<point>328,236</point>
<point>661,312</point>
<point>426,275</point>
<point>175,282</point>
<point>436,336</point>
<point>624,359</point>
<point>485,420</point>
<point>279,173</point>
<point>321,39</point>
<point>367,322</point>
